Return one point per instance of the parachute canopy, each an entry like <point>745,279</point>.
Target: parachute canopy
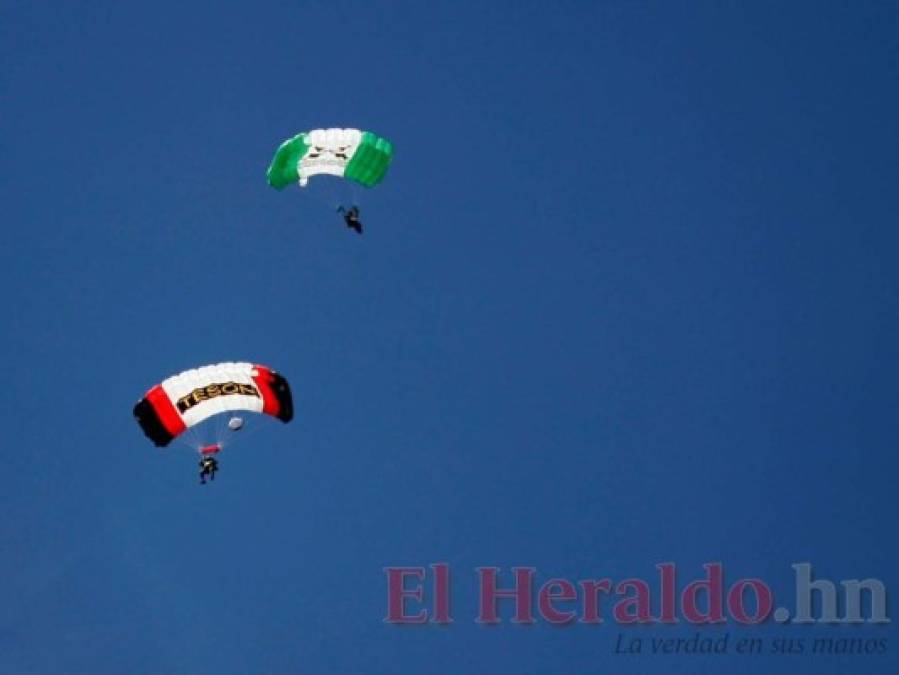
<point>360,156</point>
<point>186,399</point>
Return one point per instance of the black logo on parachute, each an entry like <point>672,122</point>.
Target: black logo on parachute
<point>185,403</point>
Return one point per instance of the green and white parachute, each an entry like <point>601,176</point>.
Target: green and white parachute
<point>359,156</point>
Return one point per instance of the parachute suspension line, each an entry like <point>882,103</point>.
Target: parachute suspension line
<point>331,192</point>
<point>189,440</point>
<point>340,195</point>
<point>189,437</point>
<point>249,428</point>
<point>318,191</point>
<point>218,429</point>
<point>223,432</point>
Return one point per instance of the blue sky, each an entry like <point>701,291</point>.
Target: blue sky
<point>628,295</point>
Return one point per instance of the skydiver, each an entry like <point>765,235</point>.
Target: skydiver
<point>208,467</point>
<point>351,217</point>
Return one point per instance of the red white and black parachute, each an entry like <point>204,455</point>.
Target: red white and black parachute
<point>189,398</point>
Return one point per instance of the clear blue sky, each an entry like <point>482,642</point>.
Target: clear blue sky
<point>628,295</point>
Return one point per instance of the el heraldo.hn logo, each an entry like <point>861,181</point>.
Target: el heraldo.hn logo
<point>214,390</point>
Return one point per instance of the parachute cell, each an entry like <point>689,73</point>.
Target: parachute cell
<point>189,398</point>
<point>359,156</point>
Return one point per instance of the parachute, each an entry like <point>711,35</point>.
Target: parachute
<point>189,398</point>
<point>355,155</point>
